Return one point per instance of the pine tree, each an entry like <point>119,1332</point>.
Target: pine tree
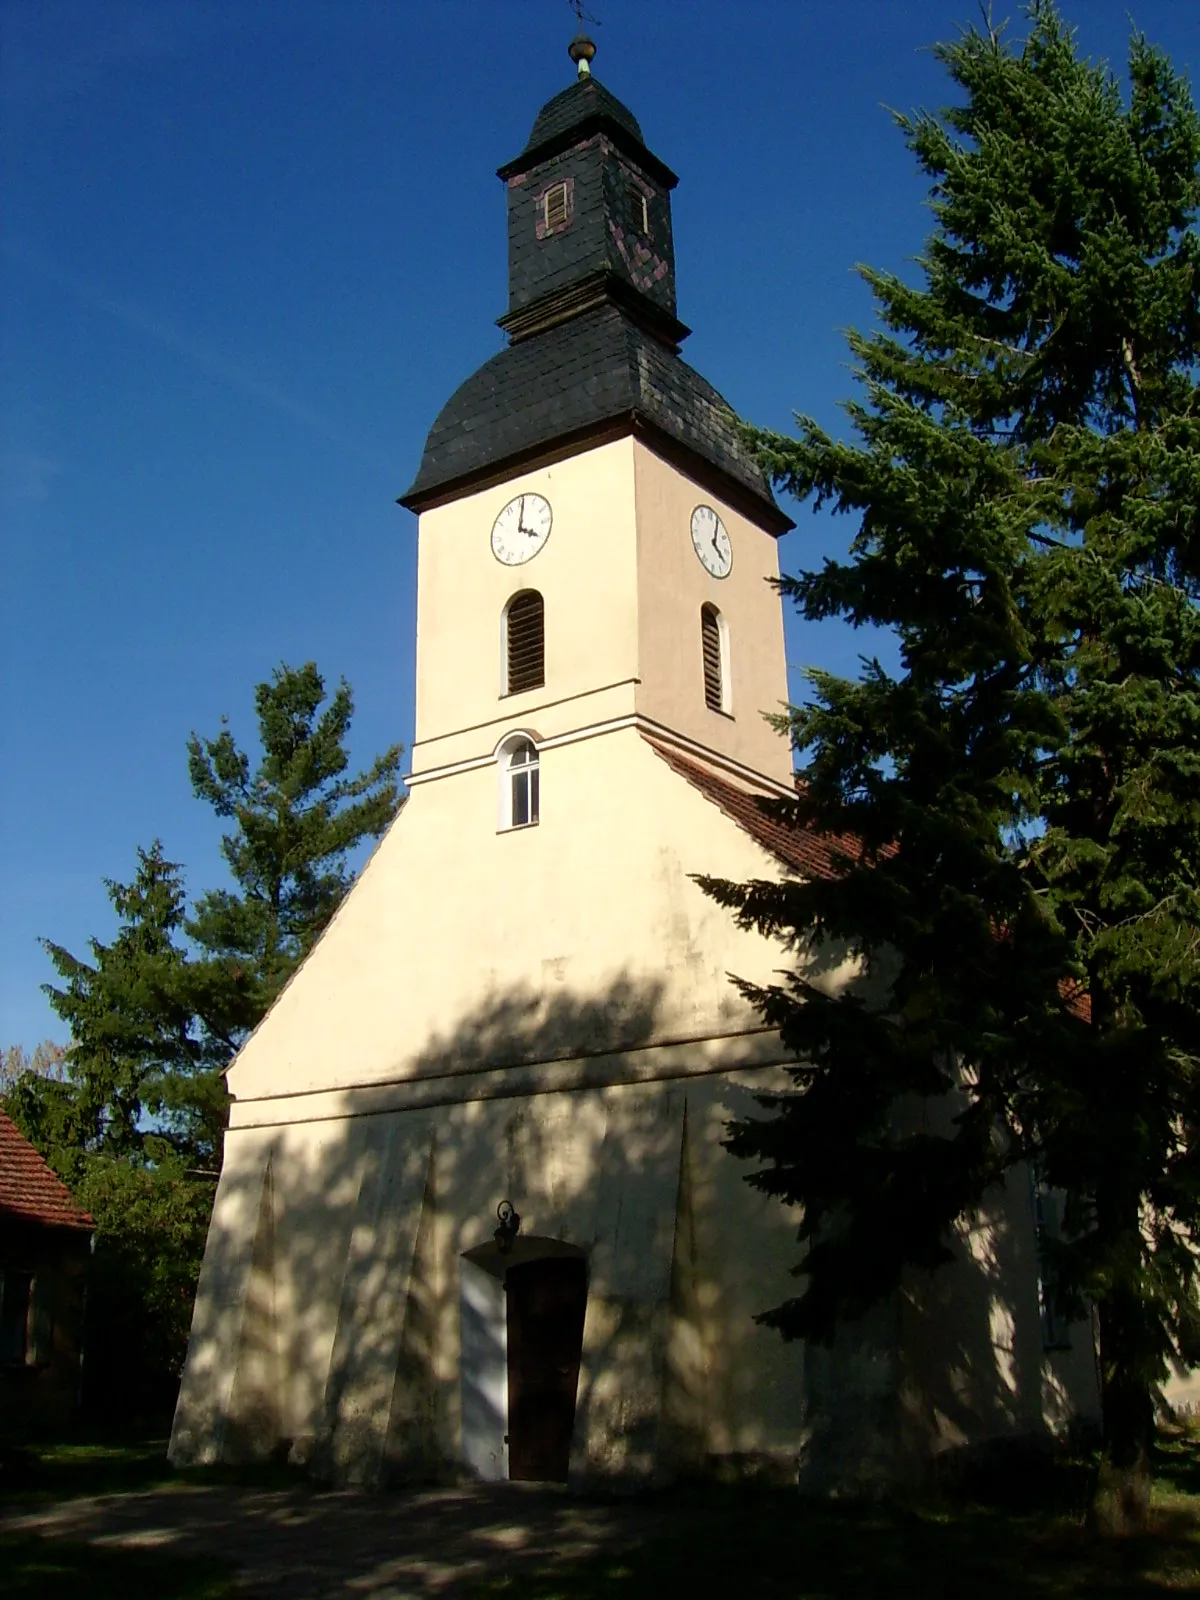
<point>1017,802</point>
<point>136,1122</point>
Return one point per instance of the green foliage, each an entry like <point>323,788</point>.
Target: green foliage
<point>1018,803</point>
<point>138,1050</point>
<point>151,1224</point>
<point>134,1124</point>
<point>297,818</point>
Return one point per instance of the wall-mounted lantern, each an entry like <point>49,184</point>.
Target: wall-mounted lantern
<point>510,1226</point>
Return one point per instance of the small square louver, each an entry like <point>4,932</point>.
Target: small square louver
<point>554,206</point>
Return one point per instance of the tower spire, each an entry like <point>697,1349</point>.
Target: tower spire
<point>581,49</point>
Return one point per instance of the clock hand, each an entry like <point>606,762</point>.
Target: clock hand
<point>521,528</point>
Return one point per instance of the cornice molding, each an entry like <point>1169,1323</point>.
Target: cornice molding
<point>585,294</point>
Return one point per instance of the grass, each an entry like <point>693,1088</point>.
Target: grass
<point>50,1569</point>
<point>35,1472</point>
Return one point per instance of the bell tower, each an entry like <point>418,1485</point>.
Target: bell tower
<point>596,542</point>
<point>589,218</point>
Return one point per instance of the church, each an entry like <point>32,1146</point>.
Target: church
<point>476,1220</point>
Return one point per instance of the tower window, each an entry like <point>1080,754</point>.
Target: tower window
<point>524,642</point>
<point>555,207</point>
<point>519,785</point>
<point>714,648</point>
<point>640,209</point>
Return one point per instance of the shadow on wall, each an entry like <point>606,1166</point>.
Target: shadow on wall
<point>327,1322</point>
<point>934,1380</point>
<point>331,1319</point>
<point>930,1380</point>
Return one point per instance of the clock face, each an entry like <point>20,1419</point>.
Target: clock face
<point>711,542</point>
<point>521,529</point>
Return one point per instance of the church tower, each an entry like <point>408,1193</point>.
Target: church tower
<point>595,539</point>
<point>475,1218</point>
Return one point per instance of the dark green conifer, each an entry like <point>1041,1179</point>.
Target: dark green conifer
<point>1019,800</point>
<point>135,1124</point>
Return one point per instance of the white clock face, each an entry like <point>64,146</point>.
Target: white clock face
<point>711,542</point>
<point>521,529</point>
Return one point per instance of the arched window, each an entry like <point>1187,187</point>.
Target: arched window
<point>524,642</point>
<point>714,646</point>
<point>519,787</point>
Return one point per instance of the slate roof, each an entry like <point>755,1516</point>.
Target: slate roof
<point>584,102</point>
<point>577,377</point>
<point>28,1188</point>
<point>586,107</point>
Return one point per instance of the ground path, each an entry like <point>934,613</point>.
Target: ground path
<point>287,1544</point>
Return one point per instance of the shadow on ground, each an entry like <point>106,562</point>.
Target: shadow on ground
<point>44,1569</point>
<point>179,1536</point>
<point>776,1548</point>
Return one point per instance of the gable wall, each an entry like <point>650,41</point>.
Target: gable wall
<point>461,946</point>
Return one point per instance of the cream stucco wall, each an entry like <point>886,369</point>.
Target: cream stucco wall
<point>587,575</point>
<point>672,587</point>
<point>462,946</point>
<point>331,1304</point>
<point>622,588</point>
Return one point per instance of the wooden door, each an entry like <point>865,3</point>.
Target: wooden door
<point>546,1301</point>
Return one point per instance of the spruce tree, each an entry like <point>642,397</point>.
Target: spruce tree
<point>131,1028</point>
<point>297,817</point>
<point>1017,803</point>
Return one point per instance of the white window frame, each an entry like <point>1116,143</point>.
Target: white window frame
<point>508,778</point>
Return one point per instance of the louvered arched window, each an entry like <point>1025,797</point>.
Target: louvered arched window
<point>524,642</point>
<point>714,646</point>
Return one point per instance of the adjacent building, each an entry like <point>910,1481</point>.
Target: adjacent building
<point>45,1245</point>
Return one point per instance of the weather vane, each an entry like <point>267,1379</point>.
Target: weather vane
<point>581,49</point>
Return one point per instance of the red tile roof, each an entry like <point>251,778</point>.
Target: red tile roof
<point>28,1188</point>
<point>1079,1001</point>
<point>803,849</point>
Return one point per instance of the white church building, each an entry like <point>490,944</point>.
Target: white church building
<point>475,1217</point>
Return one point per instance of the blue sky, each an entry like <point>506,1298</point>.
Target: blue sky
<point>249,250</point>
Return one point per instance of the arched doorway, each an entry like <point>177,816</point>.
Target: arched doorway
<point>546,1302</point>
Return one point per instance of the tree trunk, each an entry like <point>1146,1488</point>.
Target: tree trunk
<point>1121,1502</point>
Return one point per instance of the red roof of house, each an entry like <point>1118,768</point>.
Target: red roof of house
<point>28,1188</point>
